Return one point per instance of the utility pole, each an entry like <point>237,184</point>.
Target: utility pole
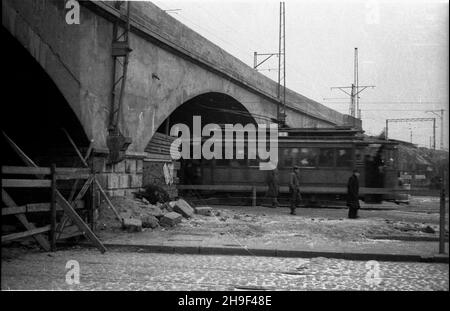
<point>441,117</point>
<point>281,111</point>
<point>281,90</point>
<point>444,180</point>
<point>356,82</point>
<point>414,120</point>
<point>355,89</point>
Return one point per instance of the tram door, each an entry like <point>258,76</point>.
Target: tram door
<point>374,171</point>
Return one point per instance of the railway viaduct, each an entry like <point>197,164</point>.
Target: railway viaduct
<point>169,66</point>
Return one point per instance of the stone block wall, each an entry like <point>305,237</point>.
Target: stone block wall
<point>120,179</point>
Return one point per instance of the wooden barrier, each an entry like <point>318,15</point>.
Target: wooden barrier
<point>47,178</point>
<point>68,205</point>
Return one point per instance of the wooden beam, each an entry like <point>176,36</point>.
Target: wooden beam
<point>29,226</point>
<point>102,192</point>
<point>36,207</point>
<point>75,147</point>
<point>26,183</point>
<point>73,176</point>
<point>69,232</point>
<point>25,170</point>
<point>52,236</point>
<point>62,201</point>
<point>79,222</point>
<point>19,235</point>
<point>108,201</point>
<point>85,188</point>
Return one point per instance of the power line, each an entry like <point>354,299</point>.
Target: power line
<point>356,89</point>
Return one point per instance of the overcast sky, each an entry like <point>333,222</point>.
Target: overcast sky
<point>403,51</point>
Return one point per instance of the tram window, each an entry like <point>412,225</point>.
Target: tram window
<point>390,158</point>
<point>344,157</point>
<point>290,156</point>
<point>326,157</point>
<point>307,157</point>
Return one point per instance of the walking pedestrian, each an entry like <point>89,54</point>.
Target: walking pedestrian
<point>353,195</point>
<point>294,188</point>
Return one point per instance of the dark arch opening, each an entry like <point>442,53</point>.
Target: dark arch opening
<point>34,111</point>
<point>212,107</point>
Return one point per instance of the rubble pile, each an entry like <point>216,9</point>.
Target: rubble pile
<point>139,214</point>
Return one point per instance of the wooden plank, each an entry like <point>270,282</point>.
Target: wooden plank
<point>14,210</point>
<point>60,227</point>
<point>70,235</point>
<point>19,235</point>
<point>102,192</point>
<point>36,207</point>
<point>85,188</point>
<point>26,183</point>
<point>75,147</point>
<point>79,222</point>
<point>21,217</point>
<point>110,205</point>
<point>71,170</point>
<point>69,232</point>
<point>62,201</point>
<point>52,236</point>
<point>73,176</point>
<point>25,170</point>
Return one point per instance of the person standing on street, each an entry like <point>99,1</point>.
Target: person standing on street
<point>294,188</point>
<point>353,195</point>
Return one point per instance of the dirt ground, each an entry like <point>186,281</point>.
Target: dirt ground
<point>267,226</point>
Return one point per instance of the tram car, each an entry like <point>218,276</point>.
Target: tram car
<point>326,158</point>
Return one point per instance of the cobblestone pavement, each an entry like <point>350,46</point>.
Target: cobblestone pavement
<point>149,271</point>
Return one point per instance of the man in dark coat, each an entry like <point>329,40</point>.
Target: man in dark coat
<point>353,195</point>
<point>272,183</point>
<point>294,188</point>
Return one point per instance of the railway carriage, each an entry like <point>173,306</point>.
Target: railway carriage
<point>326,158</point>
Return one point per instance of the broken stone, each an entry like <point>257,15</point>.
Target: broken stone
<point>149,221</point>
<point>182,207</point>
<point>132,224</point>
<point>170,219</point>
<point>203,210</point>
<point>167,206</point>
<point>154,211</point>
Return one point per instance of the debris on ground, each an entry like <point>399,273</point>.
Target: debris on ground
<point>153,194</point>
<point>149,221</point>
<point>170,219</point>
<point>132,224</point>
<point>148,214</point>
<point>182,207</point>
<point>203,210</point>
